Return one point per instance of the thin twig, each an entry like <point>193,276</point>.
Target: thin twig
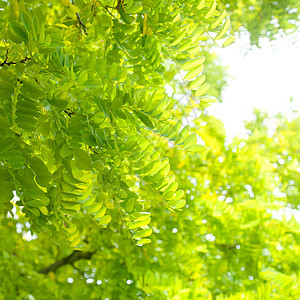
<point>108,11</point>
<point>79,21</point>
<point>8,63</point>
<point>81,24</point>
<point>69,260</point>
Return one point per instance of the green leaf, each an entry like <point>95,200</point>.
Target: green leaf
<point>211,10</point>
<point>196,83</point>
<point>135,8</point>
<point>65,151</point>
<point>144,118</point>
<point>194,72</point>
<point>197,148</point>
<point>182,135</point>
<point>179,38</point>
<point>82,78</point>
<point>123,74</point>
<point>202,90</point>
<point>13,37</point>
<point>44,210</point>
<point>178,195</point>
<point>113,71</point>
<point>26,20</point>
<point>68,212</point>
<point>229,41</point>
<point>3,4</point>
<point>161,107</point>
<point>143,241</point>
<point>169,195</point>
<point>35,203</point>
<point>104,220</point>
<point>70,205</point>
<point>180,204</point>
<point>221,17</point>
<point>142,233</point>
<point>89,139</point>
<point>171,187</point>
<point>6,144</point>
<point>125,17</point>
<point>99,165</point>
<point>129,205</point>
<point>75,242</point>
<point>201,4</point>
<point>175,130</point>
<point>96,206</point>
<point>186,44</point>
<point>117,102</point>
<point>190,141</point>
<point>43,176</point>
<point>19,30</point>
<point>138,224</point>
<point>83,160</point>
<point>191,64</point>
<point>32,89</point>
<point>208,99</point>
<point>223,30</point>
<point>100,213</point>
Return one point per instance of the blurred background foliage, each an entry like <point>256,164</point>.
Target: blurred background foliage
<point>238,234</point>
<point>263,18</point>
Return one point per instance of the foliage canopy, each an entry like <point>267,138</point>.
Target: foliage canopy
<point>83,96</point>
<point>95,145</point>
<point>267,18</point>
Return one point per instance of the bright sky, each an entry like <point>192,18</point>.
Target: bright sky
<point>264,78</point>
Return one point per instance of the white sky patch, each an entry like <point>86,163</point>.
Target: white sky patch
<point>264,78</point>
<point>28,236</point>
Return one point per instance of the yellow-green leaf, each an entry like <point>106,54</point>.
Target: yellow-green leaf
<point>105,220</point>
<point>139,223</point>
<point>194,72</point>
<point>190,141</point>
<point>75,242</point>
<point>202,90</point>
<point>19,30</point>
<point>211,9</point>
<point>182,135</point>
<point>175,130</point>
<point>193,85</point>
<point>209,100</point>
<point>223,29</point>
<point>143,233</point>
<point>221,17</point>
<point>179,38</point>
<point>180,204</point>
<point>143,241</point>
<point>178,195</point>
<point>201,4</point>
<point>82,77</point>
<point>193,63</point>
<point>100,213</point>
<point>169,195</point>
<point>196,148</point>
<point>229,41</point>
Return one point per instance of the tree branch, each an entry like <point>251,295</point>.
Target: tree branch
<point>69,260</point>
<point>8,63</point>
<point>79,20</point>
<point>225,246</point>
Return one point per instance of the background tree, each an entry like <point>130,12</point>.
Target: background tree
<point>268,19</point>
<point>236,235</point>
